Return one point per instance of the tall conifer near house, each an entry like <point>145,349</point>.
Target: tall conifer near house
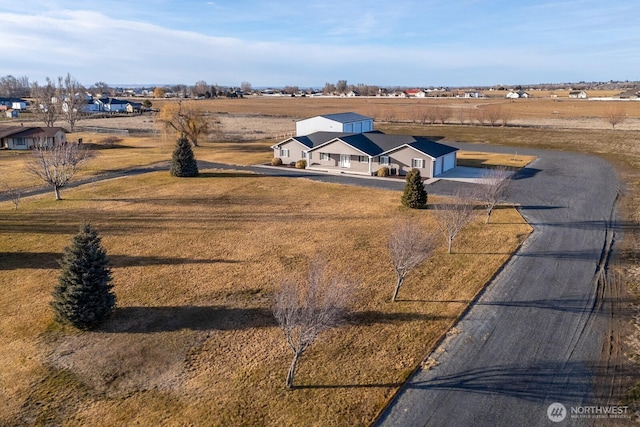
<point>414,195</point>
<point>183,162</point>
<point>83,297</point>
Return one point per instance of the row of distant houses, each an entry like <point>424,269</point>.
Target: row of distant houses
<point>99,105</point>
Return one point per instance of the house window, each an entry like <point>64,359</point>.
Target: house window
<point>384,160</point>
<point>324,156</point>
<point>304,155</point>
<point>363,159</point>
<point>284,152</point>
<point>417,163</point>
<point>20,142</point>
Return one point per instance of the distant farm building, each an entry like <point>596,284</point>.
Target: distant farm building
<point>578,94</point>
<point>628,94</point>
<point>341,122</point>
<point>517,94</point>
<point>416,93</point>
<point>13,103</point>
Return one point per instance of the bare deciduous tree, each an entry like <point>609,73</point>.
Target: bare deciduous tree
<point>185,120</point>
<point>13,194</point>
<point>11,86</point>
<point>46,102</point>
<point>495,185</point>
<point>73,99</point>
<point>615,115</point>
<point>57,164</point>
<point>493,114</point>
<point>409,246</point>
<point>480,115</point>
<point>442,114</point>
<point>451,218</point>
<point>306,308</point>
<point>461,115</point>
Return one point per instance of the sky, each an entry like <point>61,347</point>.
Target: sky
<point>309,43</point>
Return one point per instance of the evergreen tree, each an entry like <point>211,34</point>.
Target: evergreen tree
<point>83,297</point>
<point>414,196</point>
<point>183,162</point>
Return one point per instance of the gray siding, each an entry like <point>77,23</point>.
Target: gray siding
<point>295,151</point>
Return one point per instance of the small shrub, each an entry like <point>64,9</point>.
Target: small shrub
<point>414,195</point>
<point>383,171</point>
<point>301,164</point>
<point>276,161</point>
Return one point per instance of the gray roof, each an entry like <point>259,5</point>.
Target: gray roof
<point>346,117</point>
<point>27,131</point>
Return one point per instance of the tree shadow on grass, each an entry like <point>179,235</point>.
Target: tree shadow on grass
<point>347,386</point>
<point>374,317</point>
<point>49,260</point>
<point>195,318</point>
<point>228,174</point>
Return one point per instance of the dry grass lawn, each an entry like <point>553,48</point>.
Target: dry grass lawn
<point>195,264</point>
<point>479,159</point>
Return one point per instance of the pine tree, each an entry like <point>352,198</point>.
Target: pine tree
<point>183,162</point>
<point>414,196</point>
<point>83,297</point>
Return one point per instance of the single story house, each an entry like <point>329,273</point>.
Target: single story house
<point>628,94</point>
<point>518,94</point>
<point>365,152</point>
<point>27,137</point>
<point>346,142</point>
<point>13,103</point>
<point>112,105</point>
<point>416,93</point>
<point>578,94</point>
<point>341,122</point>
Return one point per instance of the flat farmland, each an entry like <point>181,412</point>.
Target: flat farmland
<point>274,117</point>
<point>196,263</point>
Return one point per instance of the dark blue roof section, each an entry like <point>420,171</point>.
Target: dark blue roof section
<point>346,117</point>
<point>432,148</point>
<point>375,143</point>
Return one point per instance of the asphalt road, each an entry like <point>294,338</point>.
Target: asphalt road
<point>536,335</point>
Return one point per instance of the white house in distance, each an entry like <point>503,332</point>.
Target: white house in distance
<point>362,152</point>
<point>517,94</point>
<point>578,94</point>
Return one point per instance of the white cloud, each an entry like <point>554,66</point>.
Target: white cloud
<point>101,46</point>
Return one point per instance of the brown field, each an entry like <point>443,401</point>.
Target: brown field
<point>197,260</point>
<point>195,264</point>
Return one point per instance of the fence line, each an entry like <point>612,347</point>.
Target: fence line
<point>97,129</point>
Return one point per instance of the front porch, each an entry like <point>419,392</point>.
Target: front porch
<point>338,169</point>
